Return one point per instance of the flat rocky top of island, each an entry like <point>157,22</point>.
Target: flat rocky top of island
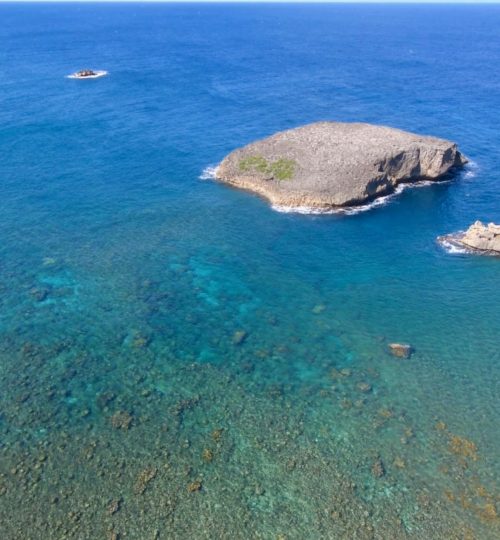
<point>333,164</point>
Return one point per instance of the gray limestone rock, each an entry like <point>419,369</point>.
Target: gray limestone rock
<point>333,164</point>
<point>478,238</point>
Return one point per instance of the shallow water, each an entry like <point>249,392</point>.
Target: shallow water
<point>177,359</point>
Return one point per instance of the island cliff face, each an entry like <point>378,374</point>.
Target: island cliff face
<point>332,164</point>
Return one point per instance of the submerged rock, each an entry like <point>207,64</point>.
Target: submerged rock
<point>122,420</point>
<point>195,486</point>
<point>39,294</point>
<point>333,164</point>
<point>239,337</point>
<point>401,350</point>
<point>478,238</point>
<point>145,477</point>
<point>207,455</point>
<point>364,387</point>
<point>378,468</point>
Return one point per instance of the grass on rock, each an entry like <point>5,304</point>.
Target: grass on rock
<point>281,169</point>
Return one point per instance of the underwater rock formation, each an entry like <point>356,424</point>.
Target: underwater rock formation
<point>401,350</point>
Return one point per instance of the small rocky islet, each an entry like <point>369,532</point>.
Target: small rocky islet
<point>479,238</point>
<point>88,74</point>
<point>329,165</point>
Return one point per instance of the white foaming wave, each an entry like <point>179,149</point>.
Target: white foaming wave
<point>471,170</point>
<point>350,211</point>
<point>452,247</point>
<point>97,74</point>
<point>302,210</point>
<point>209,173</point>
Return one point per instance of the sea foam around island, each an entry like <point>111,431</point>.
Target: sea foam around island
<point>470,171</point>
<point>209,173</point>
<point>351,210</point>
<point>452,247</point>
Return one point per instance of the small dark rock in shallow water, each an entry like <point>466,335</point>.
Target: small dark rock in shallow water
<point>194,486</point>
<point>207,455</point>
<point>378,469</point>
<point>364,387</point>
<point>39,294</point>
<point>333,164</point>
<point>144,479</point>
<point>478,238</point>
<point>217,434</point>
<point>239,337</point>
<point>122,420</point>
<point>401,350</point>
<point>399,463</point>
<point>114,506</point>
<point>104,399</point>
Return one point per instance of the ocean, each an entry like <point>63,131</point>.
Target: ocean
<point>178,359</point>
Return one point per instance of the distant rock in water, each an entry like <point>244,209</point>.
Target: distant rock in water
<point>478,238</point>
<point>87,74</point>
<point>330,164</point>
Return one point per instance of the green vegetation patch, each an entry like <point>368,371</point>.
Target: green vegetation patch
<point>281,169</point>
<point>254,163</point>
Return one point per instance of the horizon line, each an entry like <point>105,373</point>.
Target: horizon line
<point>344,2</point>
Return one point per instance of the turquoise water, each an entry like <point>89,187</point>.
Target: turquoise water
<point>178,360</point>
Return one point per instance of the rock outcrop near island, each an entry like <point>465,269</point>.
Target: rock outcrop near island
<point>480,238</point>
<point>331,164</point>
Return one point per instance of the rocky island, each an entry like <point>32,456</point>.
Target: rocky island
<point>328,165</point>
<point>478,238</point>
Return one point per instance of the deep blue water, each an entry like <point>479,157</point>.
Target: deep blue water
<point>125,279</point>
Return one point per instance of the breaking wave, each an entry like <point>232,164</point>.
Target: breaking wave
<point>209,173</point>
<point>350,211</point>
<point>452,247</point>
<point>471,170</point>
